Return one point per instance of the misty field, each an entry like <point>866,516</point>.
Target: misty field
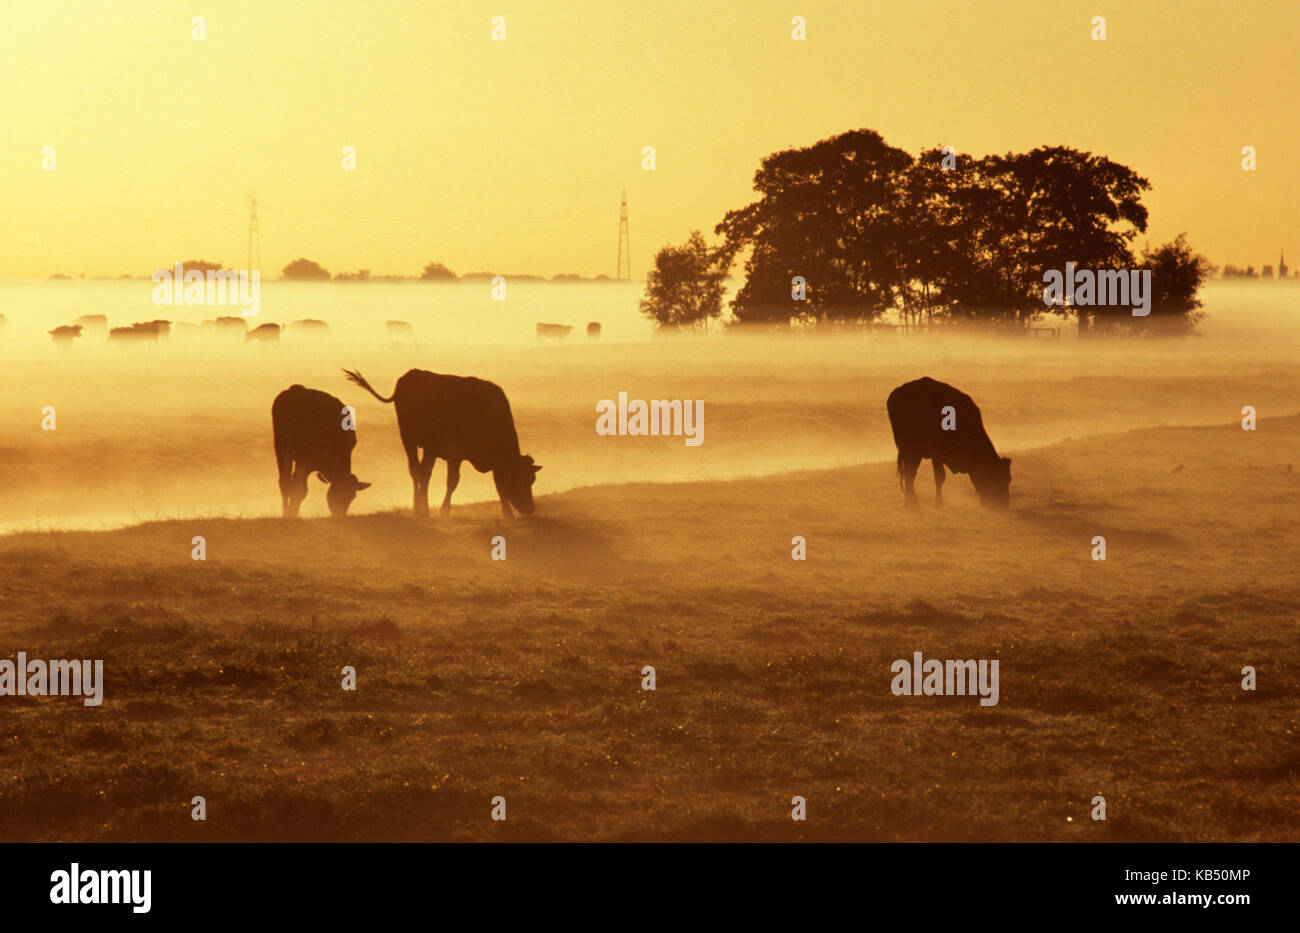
<point>522,677</point>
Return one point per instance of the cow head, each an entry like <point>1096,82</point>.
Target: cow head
<point>993,483</point>
<point>517,484</point>
<point>341,492</point>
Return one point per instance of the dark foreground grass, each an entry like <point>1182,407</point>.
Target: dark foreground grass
<point>522,678</point>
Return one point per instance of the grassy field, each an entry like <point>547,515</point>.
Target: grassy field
<point>522,677</point>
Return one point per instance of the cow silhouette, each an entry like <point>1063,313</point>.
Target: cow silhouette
<point>399,331</point>
<point>314,434</point>
<point>64,335</point>
<point>92,323</point>
<point>310,327</point>
<point>140,332</point>
<point>264,333</point>
<point>228,327</point>
<point>558,331</point>
<point>932,419</point>
<point>593,330</point>
<point>458,418</point>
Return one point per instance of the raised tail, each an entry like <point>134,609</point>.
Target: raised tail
<point>360,380</point>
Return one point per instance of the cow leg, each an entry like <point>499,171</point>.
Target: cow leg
<point>426,470</point>
<point>938,481</point>
<point>297,489</point>
<point>506,513</point>
<point>419,480</point>
<point>908,467</point>
<point>453,480</point>
<point>286,487</point>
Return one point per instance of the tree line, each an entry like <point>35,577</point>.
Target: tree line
<point>851,230</point>
<point>307,270</point>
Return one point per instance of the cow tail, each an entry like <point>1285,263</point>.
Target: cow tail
<point>358,379</point>
<point>898,466</point>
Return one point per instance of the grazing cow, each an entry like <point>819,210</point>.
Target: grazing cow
<point>63,336</point>
<point>264,333</point>
<point>92,322</point>
<point>228,326</point>
<point>932,419</point>
<point>399,330</point>
<point>558,331</point>
<point>147,332</point>
<point>459,418</point>
<point>593,330</point>
<point>314,433</point>
<point>310,327</point>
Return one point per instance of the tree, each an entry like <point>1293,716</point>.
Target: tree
<point>872,230</point>
<point>1082,208</point>
<point>684,289</point>
<point>202,265</point>
<point>437,272</point>
<point>832,213</point>
<point>1013,217</point>
<point>939,256</point>
<point>304,269</point>
<point>1177,274</point>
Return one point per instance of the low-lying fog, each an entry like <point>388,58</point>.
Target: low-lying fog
<point>182,428</point>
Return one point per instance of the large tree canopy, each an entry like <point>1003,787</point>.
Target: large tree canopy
<point>872,230</point>
<point>831,213</point>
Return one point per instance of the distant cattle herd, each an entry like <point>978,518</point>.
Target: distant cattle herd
<point>226,327</point>
<point>560,331</point>
<point>236,327</point>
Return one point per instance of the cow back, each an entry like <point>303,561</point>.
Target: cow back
<point>456,418</point>
<point>308,426</point>
<point>917,414</point>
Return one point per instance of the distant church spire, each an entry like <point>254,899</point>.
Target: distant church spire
<point>1281,266</point>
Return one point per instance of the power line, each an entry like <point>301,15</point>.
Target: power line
<point>624,240</point>
<point>118,244</point>
<point>624,264</point>
<point>254,236</point>
<point>443,220</point>
<point>430,235</point>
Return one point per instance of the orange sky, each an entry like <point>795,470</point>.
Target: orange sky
<point>511,155</point>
